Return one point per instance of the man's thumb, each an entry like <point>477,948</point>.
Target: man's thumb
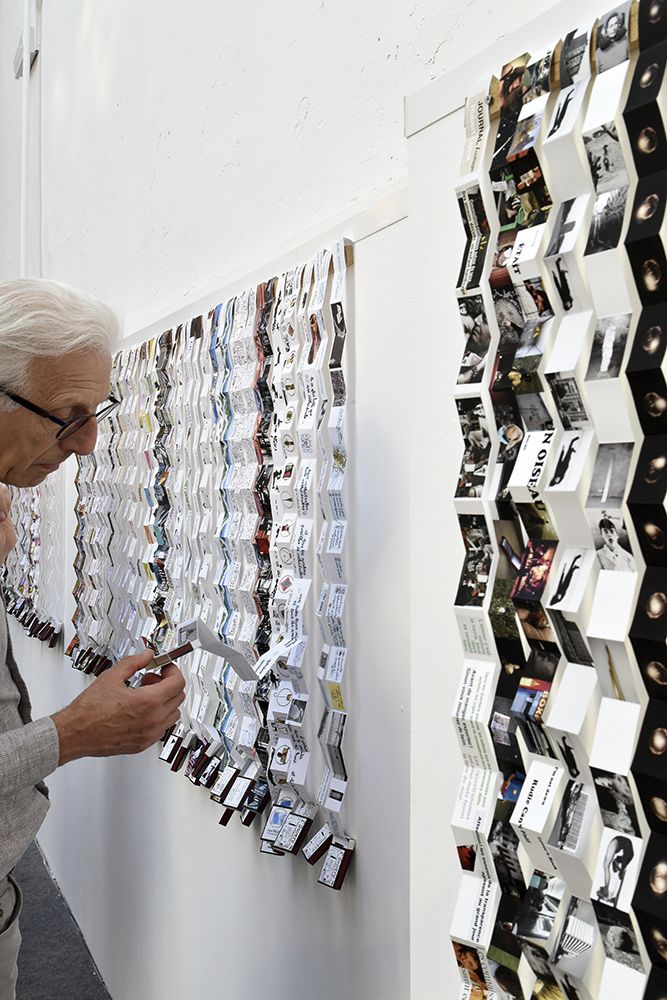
<point>125,668</point>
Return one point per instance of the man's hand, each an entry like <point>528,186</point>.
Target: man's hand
<point>8,535</point>
<point>110,718</point>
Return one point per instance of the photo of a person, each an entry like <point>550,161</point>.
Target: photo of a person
<point>612,43</point>
<point>611,542</point>
<point>617,858</point>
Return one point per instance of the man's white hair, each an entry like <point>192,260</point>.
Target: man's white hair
<point>40,318</point>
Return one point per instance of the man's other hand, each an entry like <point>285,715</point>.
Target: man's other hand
<point>109,718</point>
<point>8,535</point>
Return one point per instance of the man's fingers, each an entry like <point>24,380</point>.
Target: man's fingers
<point>124,669</point>
<point>170,685</point>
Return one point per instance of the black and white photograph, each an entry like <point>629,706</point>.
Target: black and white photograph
<point>650,395</point>
<point>503,843</point>
<point>477,444</point>
<point>510,545</point>
<point>610,475</point>
<point>612,43</point>
<point>569,401</point>
<point>650,339</point>
<point>508,426</point>
<point>651,891</point>
<point>568,226</point>
<point>569,578</point>
<point>652,23</point>
<point>574,57</point>
<point>646,133</point>
<point>607,221</point>
<point>570,639</point>
<point>647,78</point>
<point>650,480</point>
<point>571,955</point>
<point>477,563</point>
<point>533,338</point>
<point>605,158</point>
<point>611,541</point>
<point>651,754</point>
<point>509,317</point>
<point>618,936</point>
<point>573,822</point>
<point>534,412</point>
<point>539,907</point>
<point>617,806</point>
<point>537,78</point>
<point>476,226</point>
<point>609,339</point>
<point>648,209</point>
<point>652,663</point>
<point>656,987</point>
<point>478,339</point>
<point>650,521</point>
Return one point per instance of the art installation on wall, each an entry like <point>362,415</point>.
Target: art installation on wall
<point>31,577</point>
<point>212,521</point>
<point>561,712</point>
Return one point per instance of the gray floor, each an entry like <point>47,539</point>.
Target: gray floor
<point>54,961</point>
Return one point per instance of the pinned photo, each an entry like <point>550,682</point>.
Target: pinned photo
<point>568,400</point>
<point>536,520</point>
<point>568,226</point>
<point>651,754</point>
<point>534,572</point>
<point>612,42</point>
<point>610,475</point>
<point>570,639</point>
<point>650,340</point>
<point>477,563</point>
<point>652,662</point>
<point>650,481</point>
<point>567,471</point>
<point>648,210</point>
<point>478,339</point>
<point>607,221</point>
<point>618,936</point>
<point>646,133</point>
<point>476,226</point>
<point>573,573</point>
<point>605,158</point>
<point>539,907</point>
<point>650,395</point>
<point>652,23</point>
<point>653,793</point>
<point>611,540</point>
<point>571,955</point>
<point>477,445</point>
<point>651,891</point>
<point>651,527</point>
<point>559,269</point>
<point>609,340</point>
<point>575,57</point>
<point>617,806</point>
<point>647,77</point>
<point>510,98</point>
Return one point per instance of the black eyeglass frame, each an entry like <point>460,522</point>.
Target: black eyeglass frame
<point>67,427</point>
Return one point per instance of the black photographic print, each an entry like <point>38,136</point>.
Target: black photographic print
<point>651,890</point>
<point>654,932</point>
<point>605,158</point>
<point>650,480</point>
<point>536,521</point>
<point>618,936</point>
<point>565,111</point>
<point>650,340</point>
<point>649,267</point>
<point>571,954</point>
<point>652,662</point>
<point>650,521</point>
<point>650,621</point>
<point>648,210</point>
<point>607,221</point>
<point>609,340</point>
<point>539,907</point>
<point>647,139</point>
<point>647,77</point>
<point>653,794</point>
<point>534,413</point>
<point>652,23</point>
<point>650,395</point>
<point>570,569</point>
<point>570,639</point>
<point>476,226</point>
<point>656,987</point>
<point>651,754</point>
<point>564,280</point>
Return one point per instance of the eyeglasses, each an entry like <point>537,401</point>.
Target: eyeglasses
<point>67,427</point>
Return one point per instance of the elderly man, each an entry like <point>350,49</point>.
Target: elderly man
<point>55,362</point>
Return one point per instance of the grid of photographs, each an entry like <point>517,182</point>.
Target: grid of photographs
<point>561,505</point>
<point>212,513</point>
<point>31,577</point>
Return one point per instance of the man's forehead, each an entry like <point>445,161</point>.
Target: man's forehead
<point>72,378</point>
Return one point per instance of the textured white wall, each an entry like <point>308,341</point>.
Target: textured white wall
<point>180,143</point>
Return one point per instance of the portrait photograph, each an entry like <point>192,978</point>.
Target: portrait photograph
<point>612,43</point>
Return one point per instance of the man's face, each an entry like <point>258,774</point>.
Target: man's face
<point>74,384</point>
<point>608,537</point>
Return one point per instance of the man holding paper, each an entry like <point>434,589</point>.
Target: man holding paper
<point>55,362</point>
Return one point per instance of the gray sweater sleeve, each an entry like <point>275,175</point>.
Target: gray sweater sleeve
<point>27,755</point>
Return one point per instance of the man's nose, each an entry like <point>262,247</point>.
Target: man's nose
<point>83,441</point>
